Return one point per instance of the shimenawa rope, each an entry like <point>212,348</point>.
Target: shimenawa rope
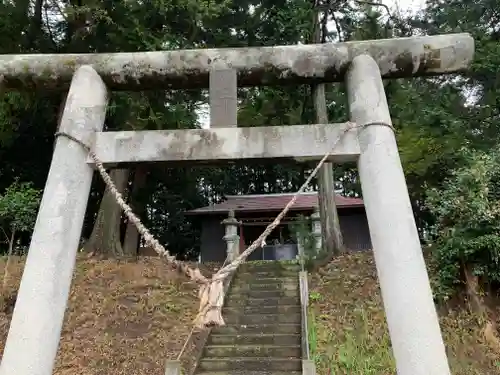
<point>211,291</point>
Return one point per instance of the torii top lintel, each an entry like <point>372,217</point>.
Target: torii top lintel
<point>256,66</point>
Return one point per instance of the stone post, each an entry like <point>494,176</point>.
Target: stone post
<point>35,329</point>
<point>173,367</point>
<point>231,237</point>
<point>223,97</point>
<point>316,229</point>
<point>411,315</point>
<point>300,244</point>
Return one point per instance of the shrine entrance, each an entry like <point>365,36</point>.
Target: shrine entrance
<point>368,138</point>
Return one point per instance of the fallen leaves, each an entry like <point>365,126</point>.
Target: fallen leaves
<point>123,317</point>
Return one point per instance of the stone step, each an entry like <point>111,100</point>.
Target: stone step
<point>270,309</point>
<point>266,274</point>
<point>259,286</point>
<point>246,351</point>
<point>255,339</point>
<point>251,279</point>
<point>255,275</point>
<point>261,302</point>
<point>251,319</point>
<point>250,364</point>
<point>245,294</point>
<point>270,273</point>
<point>269,265</point>
<point>254,329</point>
<point>249,372</point>
<point>262,335</point>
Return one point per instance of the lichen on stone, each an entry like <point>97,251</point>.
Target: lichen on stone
<point>256,66</point>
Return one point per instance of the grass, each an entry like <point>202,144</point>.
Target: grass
<point>354,351</point>
<point>348,333</point>
<point>122,317</point>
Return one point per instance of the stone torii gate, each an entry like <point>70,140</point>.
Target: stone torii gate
<point>35,329</point>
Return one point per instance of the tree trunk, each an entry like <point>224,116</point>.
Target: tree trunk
<point>330,225</point>
<point>9,255</point>
<point>131,241</point>
<point>105,237</point>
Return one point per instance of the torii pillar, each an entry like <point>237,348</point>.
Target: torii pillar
<point>37,319</point>
<point>406,292</point>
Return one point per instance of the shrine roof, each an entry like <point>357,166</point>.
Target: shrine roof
<point>272,202</point>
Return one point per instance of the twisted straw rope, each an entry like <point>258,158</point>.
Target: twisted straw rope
<point>211,291</point>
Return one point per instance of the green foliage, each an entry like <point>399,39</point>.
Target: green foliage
<point>18,207</point>
<point>301,229</point>
<point>12,104</point>
<point>314,296</point>
<point>312,335</point>
<point>467,212</point>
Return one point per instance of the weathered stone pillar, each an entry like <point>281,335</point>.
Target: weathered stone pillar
<point>35,328</point>
<point>316,229</point>
<point>231,237</point>
<point>411,315</point>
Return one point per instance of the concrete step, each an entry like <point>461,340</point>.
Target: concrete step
<point>255,329</point>
<point>287,280</point>
<point>250,275</point>
<point>247,351</point>
<point>259,286</point>
<point>249,372</point>
<point>270,309</point>
<point>267,277</point>
<point>250,364</point>
<point>256,274</point>
<point>251,319</point>
<point>262,302</point>
<point>244,294</point>
<point>255,339</point>
<point>269,265</point>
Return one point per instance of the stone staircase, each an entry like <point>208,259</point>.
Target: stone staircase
<point>263,324</point>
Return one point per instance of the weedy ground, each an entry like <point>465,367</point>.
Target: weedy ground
<point>349,335</point>
<point>127,318</point>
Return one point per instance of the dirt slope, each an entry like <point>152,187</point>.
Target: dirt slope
<point>123,318</point>
<point>351,335</point>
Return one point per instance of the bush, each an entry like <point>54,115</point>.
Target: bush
<point>467,229</point>
<point>18,208</point>
<point>301,229</point>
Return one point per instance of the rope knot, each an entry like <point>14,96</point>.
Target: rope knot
<point>211,296</point>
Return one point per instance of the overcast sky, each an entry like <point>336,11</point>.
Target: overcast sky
<point>405,5</point>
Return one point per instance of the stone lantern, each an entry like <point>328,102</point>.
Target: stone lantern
<point>231,237</point>
<point>316,229</point>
